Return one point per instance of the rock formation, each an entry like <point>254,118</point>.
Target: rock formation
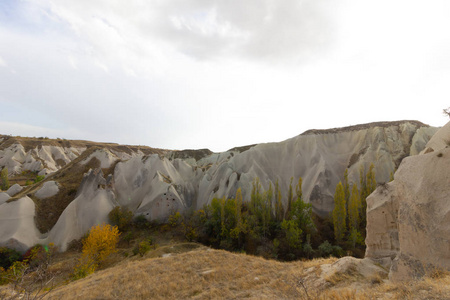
<point>155,183</point>
<point>408,220</point>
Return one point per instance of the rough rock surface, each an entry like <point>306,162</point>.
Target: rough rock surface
<point>366,268</point>
<point>17,227</point>
<point>14,189</point>
<point>155,183</point>
<point>408,220</point>
<point>49,189</point>
<point>91,206</point>
<point>17,159</point>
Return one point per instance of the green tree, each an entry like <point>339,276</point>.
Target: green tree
<point>4,181</point>
<point>237,232</point>
<point>120,216</point>
<point>279,210</point>
<point>354,208</point>
<point>292,234</point>
<point>301,211</point>
<point>339,213</point>
<point>289,200</point>
<point>346,186</point>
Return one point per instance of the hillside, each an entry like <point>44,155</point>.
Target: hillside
<point>191,271</point>
<point>155,182</point>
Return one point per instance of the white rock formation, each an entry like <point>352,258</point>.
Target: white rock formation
<point>16,159</point>
<point>91,206</point>
<point>4,197</point>
<point>48,189</point>
<point>17,227</point>
<point>159,184</point>
<point>14,190</point>
<point>106,158</point>
<point>319,157</point>
<point>408,220</point>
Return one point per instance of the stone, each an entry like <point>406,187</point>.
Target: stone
<point>408,220</point>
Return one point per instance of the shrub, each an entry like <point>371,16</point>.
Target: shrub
<point>39,178</point>
<point>141,222</point>
<point>325,248</point>
<point>100,243</point>
<point>144,247</point>
<point>121,217</point>
<point>8,257</point>
<point>174,219</point>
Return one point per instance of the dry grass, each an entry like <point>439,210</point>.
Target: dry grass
<point>192,271</point>
<point>197,274</point>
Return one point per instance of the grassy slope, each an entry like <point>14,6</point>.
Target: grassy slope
<point>193,271</point>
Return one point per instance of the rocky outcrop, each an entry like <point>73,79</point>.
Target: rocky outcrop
<point>51,158</point>
<point>408,220</point>
<point>49,189</point>
<point>17,227</point>
<point>91,207</point>
<point>154,183</point>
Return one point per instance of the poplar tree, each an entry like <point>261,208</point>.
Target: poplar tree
<point>346,186</point>
<point>354,208</point>
<point>240,228</point>
<point>222,217</point>
<point>279,209</point>
<point>4,179</point>
<point>289,202</point>
<point>301,211</point>
<point>339,213</point>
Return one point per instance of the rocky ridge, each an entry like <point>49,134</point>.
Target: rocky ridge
<point>155,182</point>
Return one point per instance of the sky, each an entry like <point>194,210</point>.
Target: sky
<point>191,74</point>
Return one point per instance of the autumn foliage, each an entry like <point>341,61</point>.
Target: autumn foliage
<point>100,243</point>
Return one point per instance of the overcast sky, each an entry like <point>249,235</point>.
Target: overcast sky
<point>181,74</point>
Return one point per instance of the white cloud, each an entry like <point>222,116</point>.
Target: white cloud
<point>217,74</point>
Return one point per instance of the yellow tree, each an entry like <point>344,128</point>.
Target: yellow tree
<point>100,243</point>
<point>339,213</point>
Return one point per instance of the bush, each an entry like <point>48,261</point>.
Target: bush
<point>8,257</point>
<point>325,249</point>
<point>100,243</point>
<point>121,217</point>
<point>143,247</point>
<point>141,222</point>
<point>39,178</point>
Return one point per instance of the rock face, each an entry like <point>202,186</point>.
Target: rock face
<point>408,220</point>
<point>17,228</point>
<point>155,183</point>
<point>17,159</point>
<point>91,207</point>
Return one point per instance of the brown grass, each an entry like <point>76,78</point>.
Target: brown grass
<point>193,271</point>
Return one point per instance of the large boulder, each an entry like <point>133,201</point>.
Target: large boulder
<point>408,220</point>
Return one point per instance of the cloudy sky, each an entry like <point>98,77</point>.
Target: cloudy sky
<point>181,74</point>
